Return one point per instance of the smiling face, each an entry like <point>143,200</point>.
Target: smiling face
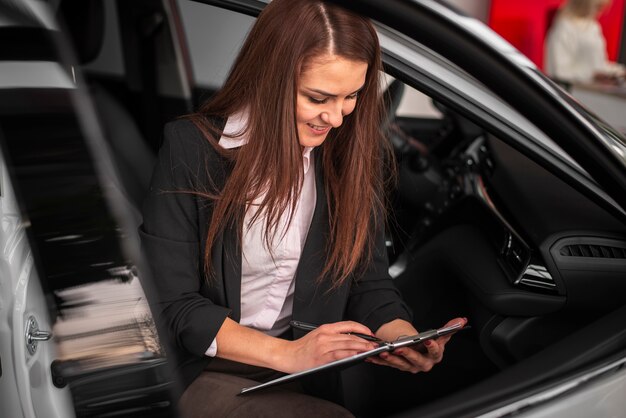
<point>327,91</point>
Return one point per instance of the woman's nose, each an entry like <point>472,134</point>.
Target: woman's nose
<point>333,117</point>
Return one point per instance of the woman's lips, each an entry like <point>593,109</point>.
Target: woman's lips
<point>318,129</point>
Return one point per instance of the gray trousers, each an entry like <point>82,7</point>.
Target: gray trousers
<point>214,394</point>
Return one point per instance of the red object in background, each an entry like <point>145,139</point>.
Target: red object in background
<point>525,24</point>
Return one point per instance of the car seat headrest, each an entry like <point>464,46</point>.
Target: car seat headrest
<point>84,21</point>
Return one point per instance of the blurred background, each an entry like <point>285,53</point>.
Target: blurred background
<point>527,26</point>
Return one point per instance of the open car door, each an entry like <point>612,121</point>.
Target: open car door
<point>76,335</point>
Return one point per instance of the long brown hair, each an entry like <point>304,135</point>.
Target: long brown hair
<point>263,82</point>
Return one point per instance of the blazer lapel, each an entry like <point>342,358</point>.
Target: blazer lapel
<point>226,255</point>
<point>231,268</point>
<point>314,301</point>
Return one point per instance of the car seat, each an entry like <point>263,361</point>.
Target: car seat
<point>133,158</point>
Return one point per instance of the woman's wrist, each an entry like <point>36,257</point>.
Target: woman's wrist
<point>245,345</point>
<point>280,354</point>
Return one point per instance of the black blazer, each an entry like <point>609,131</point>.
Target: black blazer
<point>173,236</point>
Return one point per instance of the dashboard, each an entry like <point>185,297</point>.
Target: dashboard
<point>534,253</point>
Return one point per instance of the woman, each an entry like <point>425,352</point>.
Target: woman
<point>267,206</point>
<point>576,48</point>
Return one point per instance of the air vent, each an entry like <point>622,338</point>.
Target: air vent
<point>595,251</point>
<point>537,276</point>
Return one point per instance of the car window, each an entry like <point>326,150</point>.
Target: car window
<point>214,37</point>
<point>416,104</point>
<point>450,77</point>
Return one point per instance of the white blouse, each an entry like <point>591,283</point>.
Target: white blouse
<point>267,275</point>
<point>576,50</point>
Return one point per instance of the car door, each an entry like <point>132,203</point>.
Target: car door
<point>26,352</point>
<point>76,333</point>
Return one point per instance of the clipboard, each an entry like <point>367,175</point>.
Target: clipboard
<point>383,347</point>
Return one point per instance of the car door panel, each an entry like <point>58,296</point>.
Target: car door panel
<point>69,256</point>
<point>30,380</point>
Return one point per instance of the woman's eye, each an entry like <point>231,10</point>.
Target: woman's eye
<point>353,96</point>
<point>317,101</point>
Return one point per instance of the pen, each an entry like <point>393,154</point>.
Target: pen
<point>310,327</point>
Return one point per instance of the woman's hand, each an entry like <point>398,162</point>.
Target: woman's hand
<point>407,358</point>
<point>327,343</point>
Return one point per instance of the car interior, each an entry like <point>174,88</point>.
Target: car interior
<point>477,227</point>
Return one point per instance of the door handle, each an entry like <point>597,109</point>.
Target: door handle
<point>34,335</point>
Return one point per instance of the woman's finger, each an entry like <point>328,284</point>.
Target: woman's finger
<point>339,355</point>
<point>435,350</point>
<point>405,359</point>
<point>345,327</point>
<point>357,345</point>
<point>398,362</point>
<point>442,341</point>
<point>419,361</point>
<point>331,345</point>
